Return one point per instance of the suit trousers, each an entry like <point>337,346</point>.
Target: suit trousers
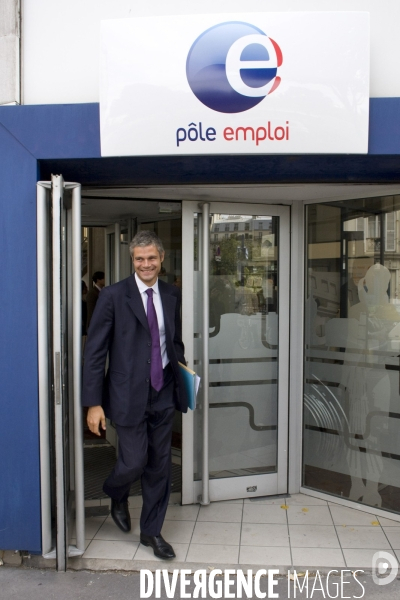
<point>144,451</point>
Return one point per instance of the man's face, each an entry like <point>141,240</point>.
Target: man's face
<point>101,283</point>
<point>147,263</point>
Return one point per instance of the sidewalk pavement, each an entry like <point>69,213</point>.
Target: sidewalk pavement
<point>33,584</point>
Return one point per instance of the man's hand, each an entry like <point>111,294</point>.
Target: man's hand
<point>95,417</point>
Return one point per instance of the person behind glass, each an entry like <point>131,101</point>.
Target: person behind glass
<point>92,296</point>
<point>178,281</point>
<point>138,323</point>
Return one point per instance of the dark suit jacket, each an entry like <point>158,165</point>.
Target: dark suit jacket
<point>119,326</point>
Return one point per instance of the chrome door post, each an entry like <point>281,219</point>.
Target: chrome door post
<point>205,497</point>
<point>77,370</point>
<point>57,191</point>
<point>43,294</point>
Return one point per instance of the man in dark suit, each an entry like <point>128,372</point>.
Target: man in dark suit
<point>138,323</point>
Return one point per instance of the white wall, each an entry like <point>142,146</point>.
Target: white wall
<point>60,39</point>
<point>9,52</point>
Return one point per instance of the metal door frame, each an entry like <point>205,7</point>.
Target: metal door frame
<point>114,229</point>
<point>50,204</point>
<point>221,489</point>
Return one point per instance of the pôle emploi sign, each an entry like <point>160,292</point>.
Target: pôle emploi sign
<point>235,84</point>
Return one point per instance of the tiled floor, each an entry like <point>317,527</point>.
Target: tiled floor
<point>296,531</point>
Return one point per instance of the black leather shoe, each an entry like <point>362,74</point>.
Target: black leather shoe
<point>160,547</point>
<point>120,515</point>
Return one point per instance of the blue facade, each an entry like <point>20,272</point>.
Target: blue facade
<point>36,141</point>
<point>26,134</point>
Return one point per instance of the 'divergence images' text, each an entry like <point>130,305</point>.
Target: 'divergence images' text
<point>232,583</point>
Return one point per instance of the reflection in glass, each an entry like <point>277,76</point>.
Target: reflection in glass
<point>243,345</point>
<point>352,338</point>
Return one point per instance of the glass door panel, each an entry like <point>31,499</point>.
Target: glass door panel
<point>60,333</point>
<point>248,258</point>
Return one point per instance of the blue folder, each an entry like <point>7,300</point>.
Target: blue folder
<point>189,379</point>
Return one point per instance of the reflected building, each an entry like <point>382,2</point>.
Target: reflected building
<point>352,348</point>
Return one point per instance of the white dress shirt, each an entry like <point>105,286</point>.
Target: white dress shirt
<point>159,312</point>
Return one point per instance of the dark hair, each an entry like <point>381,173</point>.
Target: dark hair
<point>146,238</point>
<point>84,286</point>
<point>98,275</point>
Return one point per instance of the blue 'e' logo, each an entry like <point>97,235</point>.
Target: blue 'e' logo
<point>232,66</point>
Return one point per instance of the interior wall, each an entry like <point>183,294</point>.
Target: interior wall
<point>96,257</point>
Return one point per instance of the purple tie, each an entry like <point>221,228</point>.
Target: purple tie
<point>156,369</point>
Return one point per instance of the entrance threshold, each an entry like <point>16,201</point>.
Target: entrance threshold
<point>284,532</point>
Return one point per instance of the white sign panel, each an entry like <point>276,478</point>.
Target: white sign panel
<point>235,84</point>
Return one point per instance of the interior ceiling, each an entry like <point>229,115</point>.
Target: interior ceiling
<point>101,206</point>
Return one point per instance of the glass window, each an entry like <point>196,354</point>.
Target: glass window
<point>390,233</point>
<point>243,354</point>
<point>351,445</point>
